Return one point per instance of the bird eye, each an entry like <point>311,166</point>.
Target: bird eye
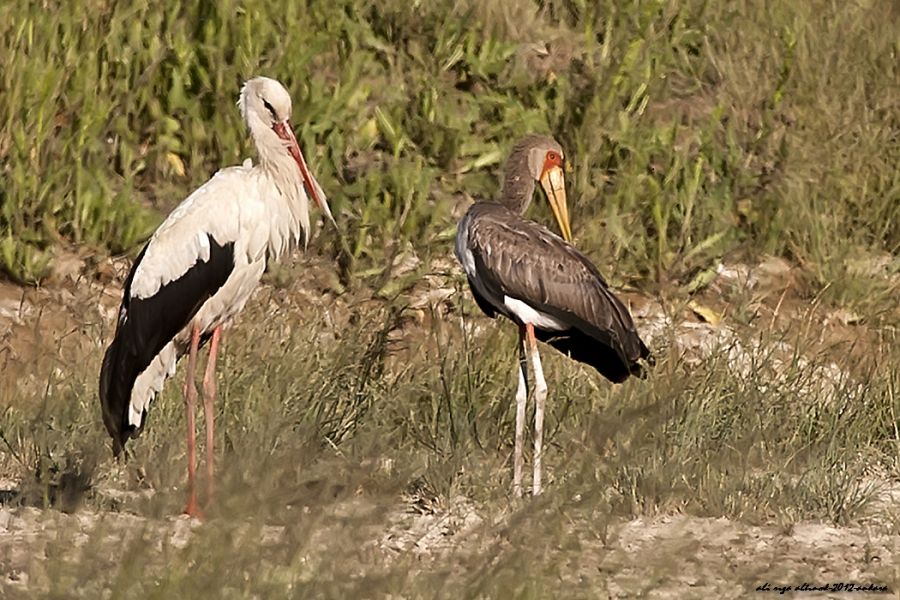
<point>270,108</point>
<point>552,157</point>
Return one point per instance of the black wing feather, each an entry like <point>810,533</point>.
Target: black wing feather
<point>483,303</point>
<point>146,325</point>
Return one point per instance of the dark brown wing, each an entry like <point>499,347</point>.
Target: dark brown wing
<point>521,259</point>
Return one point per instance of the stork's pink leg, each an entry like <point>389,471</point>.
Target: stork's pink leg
<point>209,397</point>
<point>190,397</point>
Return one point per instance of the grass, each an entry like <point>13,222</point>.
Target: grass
<point>694,132</point>
<point>325,438</point>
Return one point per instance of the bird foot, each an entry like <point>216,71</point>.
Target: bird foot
<point>192,510</point>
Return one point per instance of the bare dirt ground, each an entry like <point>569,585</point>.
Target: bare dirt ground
<point>667,556</point>
<point>692,557</point>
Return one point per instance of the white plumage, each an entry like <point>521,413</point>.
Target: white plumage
<point>202,264</point>
<point>526,314</point>
<point>231,208</point>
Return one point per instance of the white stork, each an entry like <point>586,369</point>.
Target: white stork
<point>200,268</point>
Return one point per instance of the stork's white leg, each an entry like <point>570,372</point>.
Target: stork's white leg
<point>190,397</point>
<point>540,396</point>
<point>521,397</point>
<point>209,397</point>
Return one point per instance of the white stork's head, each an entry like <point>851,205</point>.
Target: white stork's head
<point>266,108</point>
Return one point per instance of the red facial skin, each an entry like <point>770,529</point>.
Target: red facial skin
<point>553,159</point>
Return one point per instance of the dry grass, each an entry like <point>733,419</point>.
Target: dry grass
<point>365,452</point>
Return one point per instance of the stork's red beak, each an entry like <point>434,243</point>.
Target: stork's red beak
<point>313,189</point>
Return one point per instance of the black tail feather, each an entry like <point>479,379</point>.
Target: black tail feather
<point>117,376</point>
<point>610,362</point>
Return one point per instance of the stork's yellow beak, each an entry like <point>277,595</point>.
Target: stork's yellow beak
<point>554,184</point>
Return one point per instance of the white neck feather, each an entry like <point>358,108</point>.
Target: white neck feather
<point>289,207</point>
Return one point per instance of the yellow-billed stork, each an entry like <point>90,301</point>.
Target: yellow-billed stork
<point>521,270</point>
